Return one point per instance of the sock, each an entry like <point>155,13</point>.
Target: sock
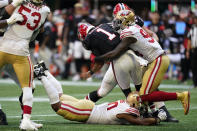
<point>137,87</point>
<point>27,100</point>
<point>126,91</point>
<point>51,90</point>
<point>93,96</point>
<point>158,96</point>
<point>0,107</point>
<point>55,83</point>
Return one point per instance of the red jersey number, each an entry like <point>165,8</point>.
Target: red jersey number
<point>112,105</point>
<point>35,15</point>
<point>147,36</point>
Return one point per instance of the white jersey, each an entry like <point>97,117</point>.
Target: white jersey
<point>146,46</point>
<point>106,113</point>
<point>16,39</point>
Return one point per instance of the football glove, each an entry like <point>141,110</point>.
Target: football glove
<point>16,3</point>
<point>15,18</point>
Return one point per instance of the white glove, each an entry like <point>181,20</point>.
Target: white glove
<point>15,18</point>
<point>16,3</point>
<point>162,115</point>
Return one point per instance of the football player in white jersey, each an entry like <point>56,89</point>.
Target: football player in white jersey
<point>6,9</point>
<point>14,47</point>
<point>119,112</point>
<point>143,44</point>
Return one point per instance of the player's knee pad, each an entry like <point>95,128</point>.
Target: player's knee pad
<point>27,96</point>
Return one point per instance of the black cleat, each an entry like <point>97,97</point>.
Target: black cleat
<point>169,117</point>
<point>3,120</point>
<point>38,71</point>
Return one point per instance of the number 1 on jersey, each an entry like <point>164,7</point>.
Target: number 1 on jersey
<point>110,36</point>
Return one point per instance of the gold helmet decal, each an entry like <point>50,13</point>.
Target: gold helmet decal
<point>132,100</point>
<point>126,16</point>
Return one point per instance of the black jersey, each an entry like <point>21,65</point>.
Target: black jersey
<point>102,39</point>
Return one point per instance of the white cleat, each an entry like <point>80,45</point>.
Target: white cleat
<point>38,126</point>
<point>26,124</point>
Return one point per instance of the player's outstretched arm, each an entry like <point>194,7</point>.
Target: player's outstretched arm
<point>151,33</point>
<point>138,121</point>
<point>121,48</point>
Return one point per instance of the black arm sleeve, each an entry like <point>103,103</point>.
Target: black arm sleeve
<point>4,14</point>
<point>139,21</point>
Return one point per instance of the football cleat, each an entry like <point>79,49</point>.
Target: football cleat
<point>185,100</point>
<point>38,126</point>
<point>26,124</point>
<point>3,120</point>
<point>38,71</point>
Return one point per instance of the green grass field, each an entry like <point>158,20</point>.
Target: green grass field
<point>42,112</point>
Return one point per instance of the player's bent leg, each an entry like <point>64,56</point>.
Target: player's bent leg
<point>76,111</point>
<point>125,69</point>
<point>154,74</point>
<point>108,83</point>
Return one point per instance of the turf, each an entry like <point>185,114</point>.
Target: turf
<point>42,112</point>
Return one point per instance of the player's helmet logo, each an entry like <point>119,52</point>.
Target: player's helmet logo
<point>119,7</point>
<point>83,30</point>
<point>123,19</point>
<point>133,100</point>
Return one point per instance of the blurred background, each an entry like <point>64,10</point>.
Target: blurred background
<point>65,57</point>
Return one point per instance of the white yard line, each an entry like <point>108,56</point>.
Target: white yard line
<point>96,84</point>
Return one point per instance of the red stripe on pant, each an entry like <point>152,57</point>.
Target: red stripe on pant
<point>30,75</point>
<point>155,74</point>
<point>150,77</point>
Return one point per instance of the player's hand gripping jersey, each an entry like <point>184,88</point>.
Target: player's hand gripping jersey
<point>102,39</point>
<point>106,113</point>
<point>146,46</point>
<point>16,38</point>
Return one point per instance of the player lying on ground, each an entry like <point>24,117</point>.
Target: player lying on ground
<point>6,9</point>
<point>119,112</point>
